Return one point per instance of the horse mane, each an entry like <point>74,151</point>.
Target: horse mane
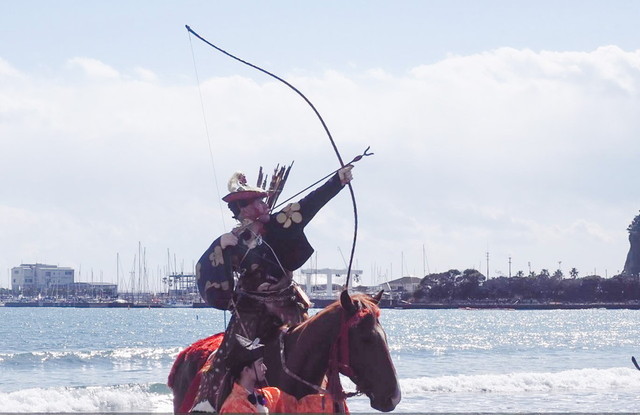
<point>365,304</point>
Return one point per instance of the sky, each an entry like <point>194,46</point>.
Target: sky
<point>500,129</point>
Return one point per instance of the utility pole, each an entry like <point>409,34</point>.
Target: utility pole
<point>509,266</point>
<point>487,264</point>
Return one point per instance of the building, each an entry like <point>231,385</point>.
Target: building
<point>407,284</point>
<point>181,285</point>
<point>327,281</point>
<point>40,277</point>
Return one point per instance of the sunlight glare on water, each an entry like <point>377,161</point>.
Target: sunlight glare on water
<point>110,360</point>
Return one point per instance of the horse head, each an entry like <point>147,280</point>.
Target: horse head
<point>369,363</point>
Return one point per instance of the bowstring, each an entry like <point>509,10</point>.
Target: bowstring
<point>206,128</point>
<point>213,164</point>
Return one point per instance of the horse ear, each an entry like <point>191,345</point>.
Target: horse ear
<point>376,298</point>
<point>347,303</point>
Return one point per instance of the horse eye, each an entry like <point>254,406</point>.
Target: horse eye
<point>368,336</point>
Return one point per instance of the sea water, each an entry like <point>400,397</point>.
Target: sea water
<point>117,360</point>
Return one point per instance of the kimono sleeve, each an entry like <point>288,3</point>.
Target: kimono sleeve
<point>214,275</point>
<point>286,229</point>
<point>314,201</point>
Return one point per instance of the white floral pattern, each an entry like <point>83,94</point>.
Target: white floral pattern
<point>216,257</point>
<point>289,215</point>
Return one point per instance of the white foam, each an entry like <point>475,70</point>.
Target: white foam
<point>127,353</point>
<point>564,381</point>
<point>157,397</point>
<point>120,398</point>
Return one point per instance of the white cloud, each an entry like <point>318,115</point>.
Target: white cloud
<point>145,74</point>
<point>93,68</point>
<point>526,154</point>
<point>6,70</point>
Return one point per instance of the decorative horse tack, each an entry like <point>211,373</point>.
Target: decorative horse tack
<point>339,360</point>
<point>339,356</point>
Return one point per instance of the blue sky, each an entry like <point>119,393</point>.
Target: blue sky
<point>499,126</point>
<point>309,36</point>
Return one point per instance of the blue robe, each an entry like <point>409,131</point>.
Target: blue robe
<point>284,234</point>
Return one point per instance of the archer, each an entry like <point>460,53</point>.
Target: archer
<point>250,269</point>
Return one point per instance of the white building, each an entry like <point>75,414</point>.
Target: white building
<point>324,277</point>
<point>40,276</point>
<point>408,284</point>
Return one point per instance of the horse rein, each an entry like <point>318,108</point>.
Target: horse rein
<point>283,363</point>
<point>337,362</point>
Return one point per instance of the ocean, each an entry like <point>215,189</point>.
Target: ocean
<point>117,360</point>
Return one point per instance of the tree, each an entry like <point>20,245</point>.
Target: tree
<point>635,225</point>
<point>438,287</point>
<point>468,284</point>
<point>590,289</point>
<point>574,273</point>
<point>632,263</point>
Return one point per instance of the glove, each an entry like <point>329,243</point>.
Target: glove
<point>228,239</point>
<point>345,174</point>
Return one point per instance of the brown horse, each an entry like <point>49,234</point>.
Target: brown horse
<point>345,337</point>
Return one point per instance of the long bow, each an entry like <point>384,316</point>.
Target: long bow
<point>326,129</point>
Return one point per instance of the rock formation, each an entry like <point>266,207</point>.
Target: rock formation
<point>632,264</point>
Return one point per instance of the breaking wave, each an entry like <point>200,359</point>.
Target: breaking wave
<point>75,356</point>
<point>121,398</point>
<point>565,381</point>
<point>156,397</point>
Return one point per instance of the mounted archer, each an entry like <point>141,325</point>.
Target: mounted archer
<point>249,270</point>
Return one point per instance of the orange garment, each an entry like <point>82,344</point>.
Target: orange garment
<point>276,402</point>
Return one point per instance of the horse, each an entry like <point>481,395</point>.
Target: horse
<point>345,337</point>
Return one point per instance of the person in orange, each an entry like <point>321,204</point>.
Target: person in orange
<point>247,371</point>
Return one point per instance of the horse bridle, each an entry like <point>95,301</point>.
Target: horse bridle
<point>283,363</point>
<point>338,359</point>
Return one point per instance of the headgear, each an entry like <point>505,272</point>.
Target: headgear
<point>243,353</point>
<point>240,190</point>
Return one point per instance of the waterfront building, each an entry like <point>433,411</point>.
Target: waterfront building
<point>406,284</point>
<point>327,275</point>
<point>181,285</point>
<point>40,277</point>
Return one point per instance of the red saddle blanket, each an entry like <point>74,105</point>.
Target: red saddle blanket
<point>195,356</point>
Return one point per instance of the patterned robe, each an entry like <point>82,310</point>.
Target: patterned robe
<point>285,248</point>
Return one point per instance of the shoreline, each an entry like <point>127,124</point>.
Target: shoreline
<point>507,306</point>
<point>386,304</point>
